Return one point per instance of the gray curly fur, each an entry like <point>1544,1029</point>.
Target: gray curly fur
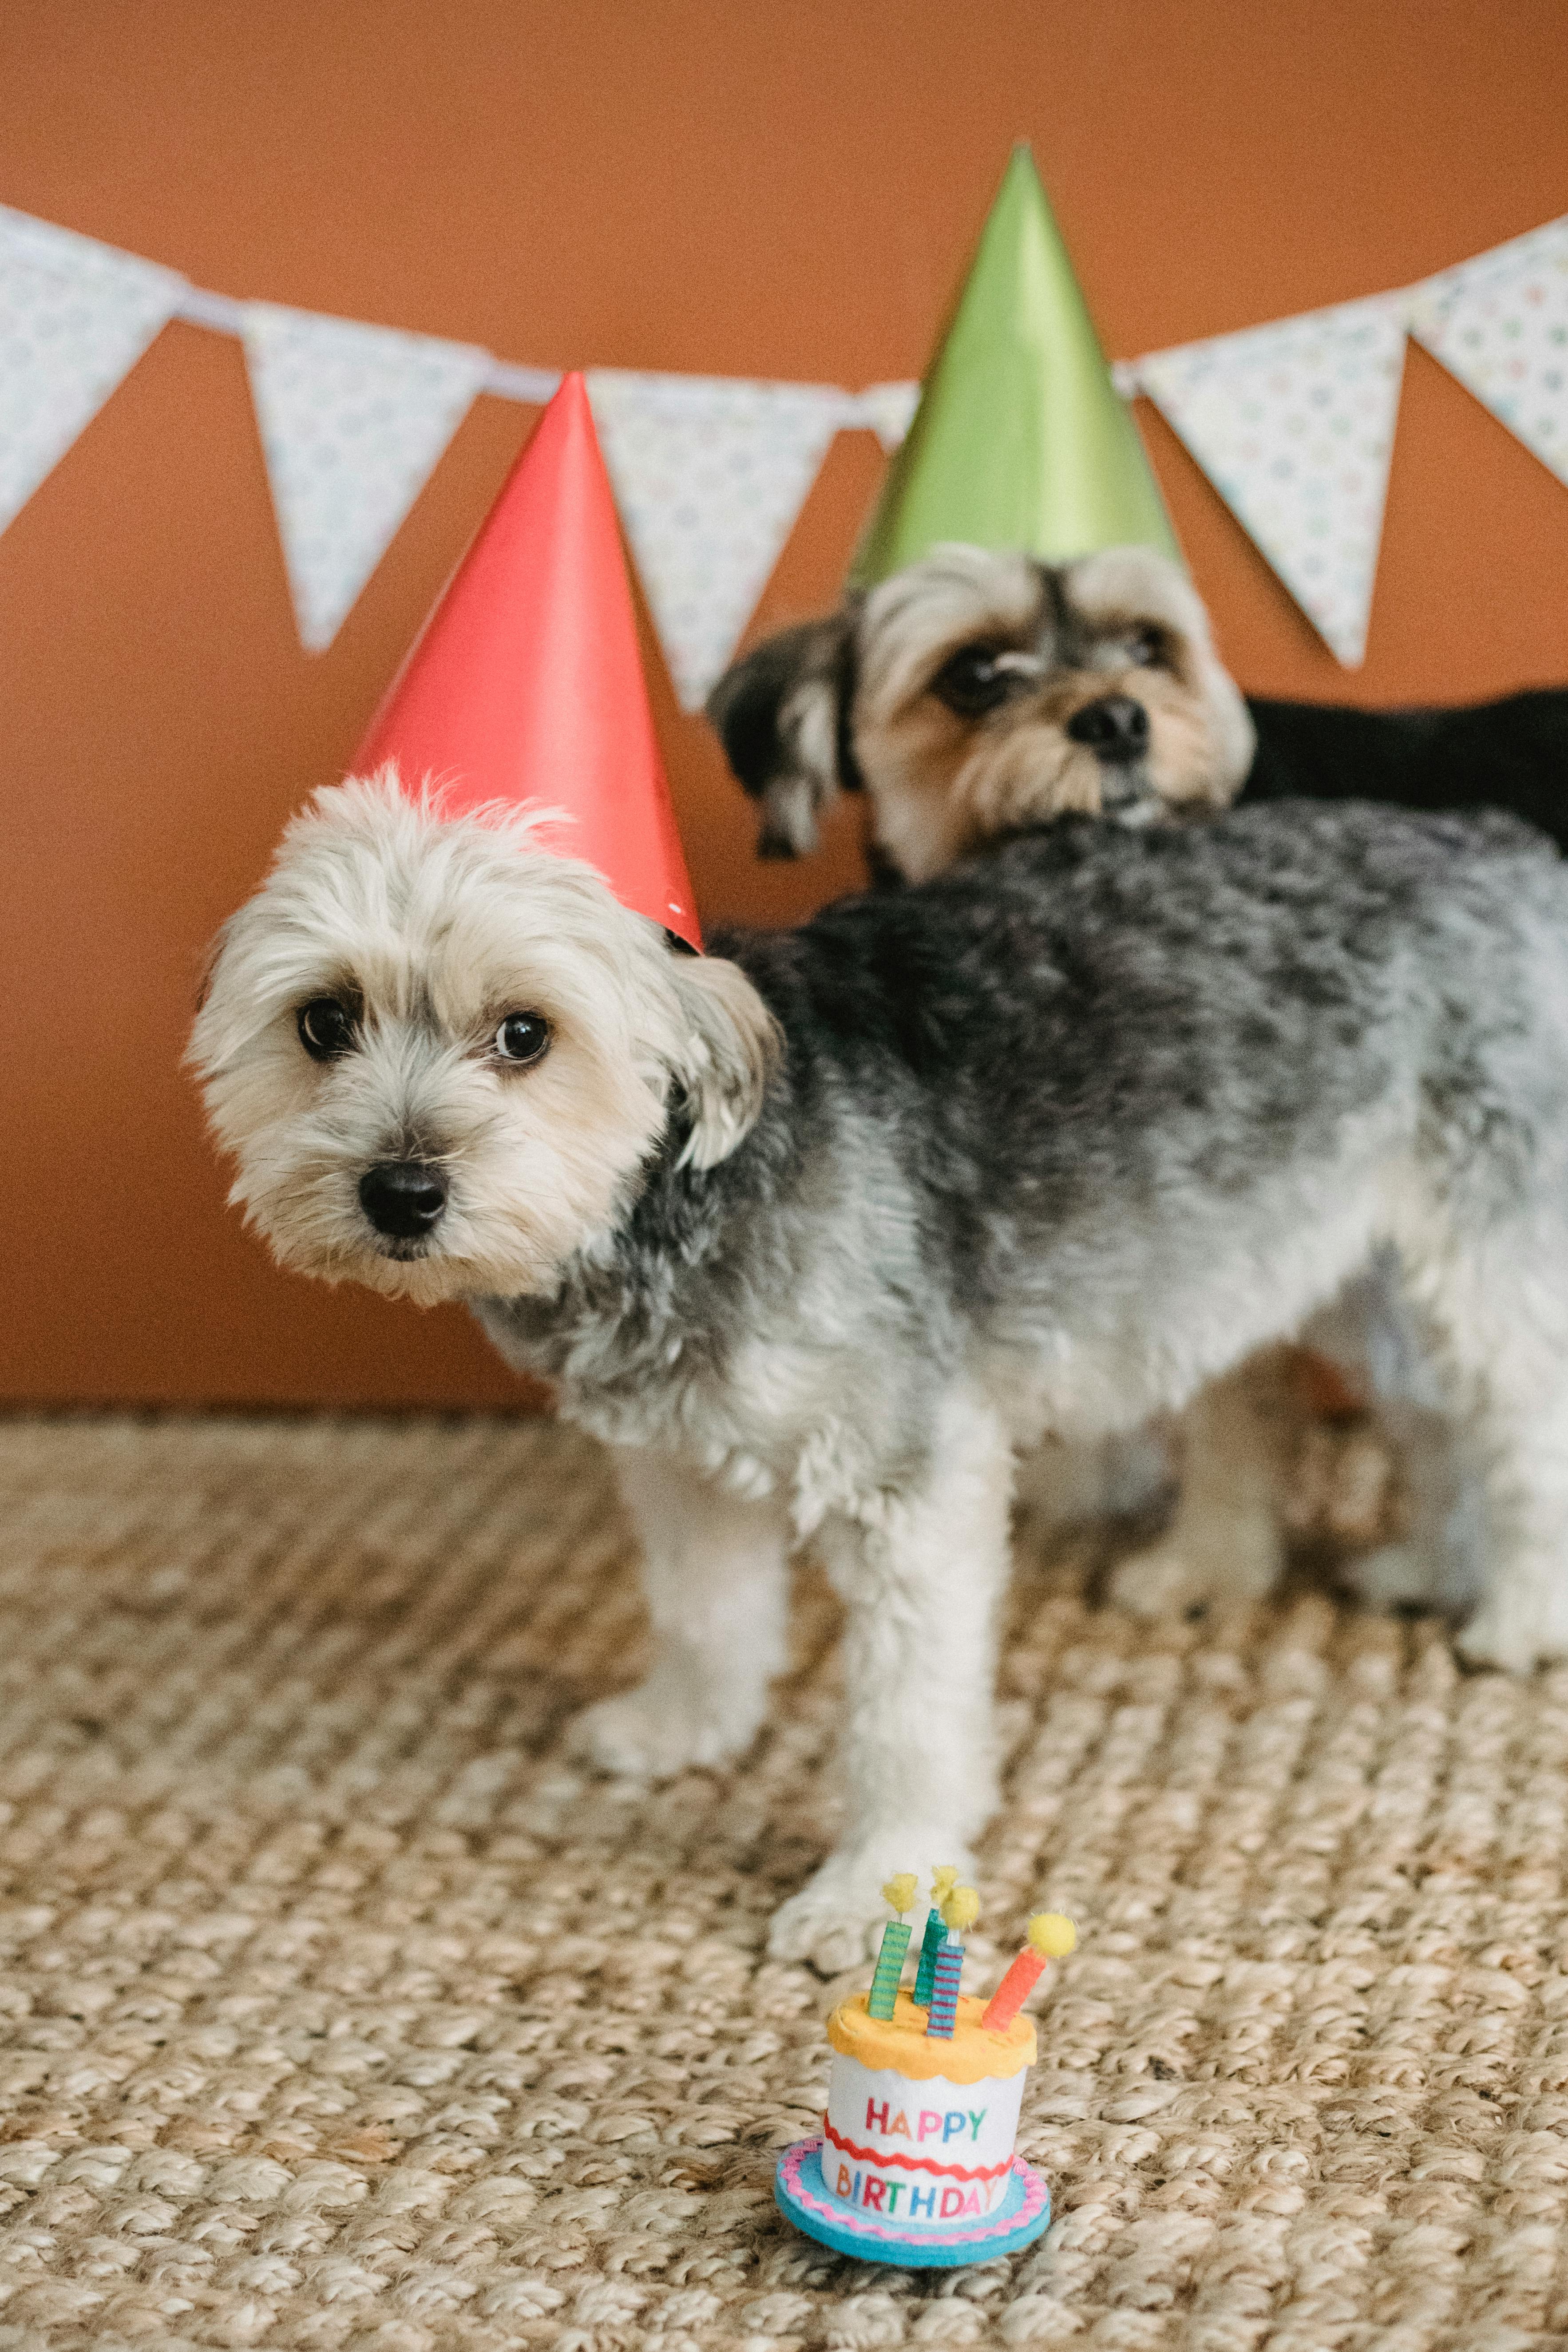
<point>1038,1105</point>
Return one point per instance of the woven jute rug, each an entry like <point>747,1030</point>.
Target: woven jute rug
<point>340,2010</point>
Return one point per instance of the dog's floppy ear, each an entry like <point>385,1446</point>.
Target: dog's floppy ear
<point>730,1044</point>
<point>783,716</point>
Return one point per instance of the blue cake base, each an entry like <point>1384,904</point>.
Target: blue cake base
<point>804,2198</point>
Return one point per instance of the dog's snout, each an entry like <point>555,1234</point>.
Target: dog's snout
<point>1114,729</point>
<point>403,1198</point>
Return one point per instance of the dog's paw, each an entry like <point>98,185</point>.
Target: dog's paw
<point>1394,1576</point>
<point>1515,1634</point>
<point>1238,1561</point>
<point>1159,1582</point>
<point>836,1920</point>
<point>658,1729</point>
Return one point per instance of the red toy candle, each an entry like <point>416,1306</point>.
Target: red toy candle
<point>1051,1937</point>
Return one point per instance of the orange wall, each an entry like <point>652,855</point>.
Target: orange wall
<point>705,185</point>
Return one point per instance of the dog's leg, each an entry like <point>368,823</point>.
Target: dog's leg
<point>922,1573</point>
<point>1224,1541</point>
<point>1501,1315</point>
<point>1061,1485</point>
<point>1436,1563</point>
<point>1407,1464</point>
<point>715,1574</point>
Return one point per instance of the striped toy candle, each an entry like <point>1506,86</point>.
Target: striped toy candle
<point>899,1893</point>
<point>1051,1937</point>
<point>943,1880</point>
<point>959,1912</point>
<point>949,1968</point>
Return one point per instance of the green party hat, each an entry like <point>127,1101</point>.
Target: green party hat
<point>1020,438</point>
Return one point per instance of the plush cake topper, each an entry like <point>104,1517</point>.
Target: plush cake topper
<point>916,2164</point>
<point>1020,439</point>
<point>526,685</point>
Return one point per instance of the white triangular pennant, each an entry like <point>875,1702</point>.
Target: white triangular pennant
<point>1293,423</point>
<point>889,410</point>
<point>1500,324</point>
<point>709,474</point>
<point>75,318</point>
<point>354,420</point>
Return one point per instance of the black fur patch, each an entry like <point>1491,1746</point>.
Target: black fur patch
<point>747,704</point>
<point>1511,754</point>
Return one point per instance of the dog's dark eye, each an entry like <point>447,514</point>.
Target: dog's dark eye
<point>970,682</point>
<point>326,1028</point>
<point>1146,648</point>
<point>523,1037</point>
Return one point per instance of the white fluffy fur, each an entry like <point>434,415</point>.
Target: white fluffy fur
<point>442,927</point>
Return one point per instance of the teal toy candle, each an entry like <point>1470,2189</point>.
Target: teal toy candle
<point>943,1878</point>
<point>931,1942</point>
<point>899,1893</point>
<point>889,1968</point>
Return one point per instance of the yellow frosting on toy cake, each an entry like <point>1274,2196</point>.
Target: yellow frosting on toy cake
<point>902,2043</point>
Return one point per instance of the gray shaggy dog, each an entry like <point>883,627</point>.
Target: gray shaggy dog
<point>816,1237</point>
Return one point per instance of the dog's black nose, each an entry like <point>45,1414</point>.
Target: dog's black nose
<point>403,1198</point>
<point>1115,728</point>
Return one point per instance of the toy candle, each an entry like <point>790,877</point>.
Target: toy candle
<point>959,1911</point>
<point>942,1879</point>
<point>899,1893</point>
<point>947,1969</point>
<point>1051,1937</point>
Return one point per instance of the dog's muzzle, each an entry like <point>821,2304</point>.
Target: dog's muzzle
<point>1115,728</point>
<point>404,1198</point>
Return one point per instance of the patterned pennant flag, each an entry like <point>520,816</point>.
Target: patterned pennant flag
<point>1500,324</point>
<point>75,318</point>
<point>709,474</point>
<point>354,420</point>
<point>889,410</point>
<point>1293,423</point>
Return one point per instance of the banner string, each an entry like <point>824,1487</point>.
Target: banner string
<point>1292,421</point>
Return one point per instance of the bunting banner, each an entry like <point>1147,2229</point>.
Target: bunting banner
<point>354,421</point>
<point>75,318</point>
<point>1501,326</point>
<point>1293,423</point>
<point>709,474</point>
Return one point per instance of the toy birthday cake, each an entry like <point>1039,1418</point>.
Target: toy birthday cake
<point>916,2164</point>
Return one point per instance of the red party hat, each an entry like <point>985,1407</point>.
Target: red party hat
<point>525,684</point>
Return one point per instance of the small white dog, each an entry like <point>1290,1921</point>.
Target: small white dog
<point>816,1236</point>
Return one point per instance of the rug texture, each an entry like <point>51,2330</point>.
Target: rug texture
<point>341,2009</point>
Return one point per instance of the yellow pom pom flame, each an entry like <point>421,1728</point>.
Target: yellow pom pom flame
<point>943,1879</point>
<point>1052,1935</point>
<point>900,1891</point>
<point>961,1910</point>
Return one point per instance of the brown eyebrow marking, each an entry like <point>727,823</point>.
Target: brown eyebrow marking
<point>1107,625</point>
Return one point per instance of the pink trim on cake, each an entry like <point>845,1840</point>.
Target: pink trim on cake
<point>1034,2195</point>
<point>917,2163</point>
